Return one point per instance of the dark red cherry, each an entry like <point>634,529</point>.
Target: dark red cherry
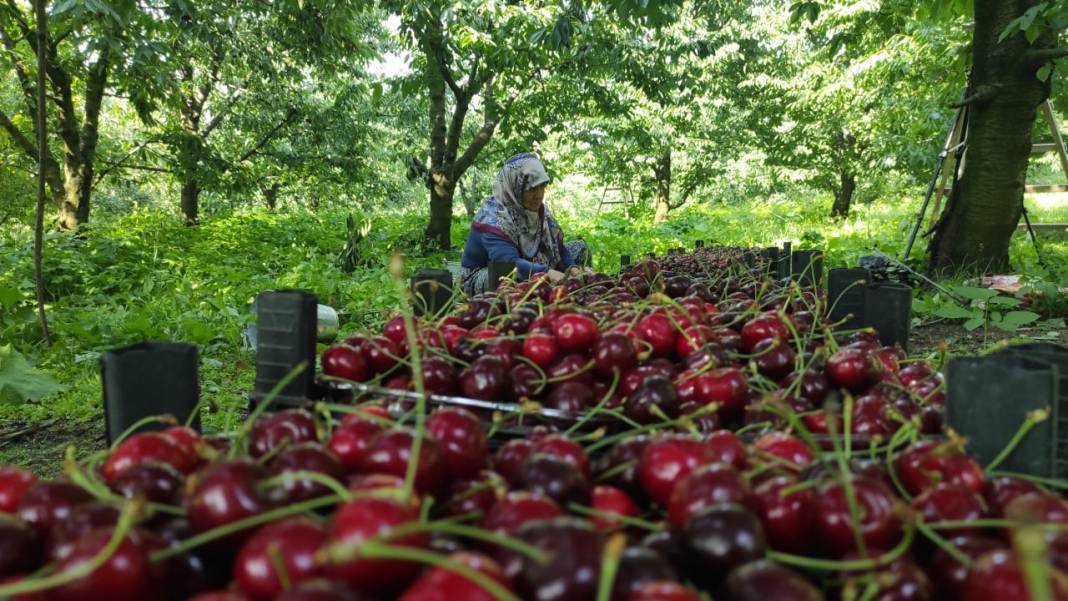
<point>319,590</point>
<point>637,567</point>
<point>708,485</point>
<point>346,362</point>
<point>155,482</point>
<point>461,439</point>
<point>527,382</point>
<point>124,575</point>
<point>563,447</point>
<point>727,448</point>
<point>950,502</point>
<point>879,524</point>
<point>773,358</point>
<point>46,503</point>
<point>572,368</point>
<point>518,508</point>
<point>82,520</point>
<point>653,401</point>
<point>663,591</point>
<point>764,580</point>
<point>304,457</point>
<point>390,451</point>
<point>948,574</point>
<point>1001,491</point>
<point>571,396</point>
<point>291,426</point>
<point>224,493</point>
<point>665,461</point>
<point>20,547</point>
<point>619,466</point>
<point>786,514</point>
<point>288,545</point>
<point>359,520</point>
<point>14,482</point>
<point>556,478</point>
<point>721,538</point>
<point>439,583</point>
<point>509,458</point>
<point>573,549</point>
<point>439,377</point>
<point>475,495</point>
<point>486,379</point>
<point>614,353</point>
<point>381,354</point>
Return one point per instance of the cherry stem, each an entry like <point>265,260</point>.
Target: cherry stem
<point>239,443</point>
<point>1033,419</point>
<point>375,549</point>
<point>846,475</point>
<point>103,493</point>
<point>451,527</point>
<point>275,554</point>
<point>943,544</point>
<point>81,570</point>
<point>286,478</point>
<point>396,267</point>
<point>1051,482</point>
<point>589,414</point>
<point>831,565</point>
<point>610,565</point>
<point>610,515</point>
<point>1032,550</point>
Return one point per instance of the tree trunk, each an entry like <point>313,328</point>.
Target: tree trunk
<point>191,201</point>
<point>843,195</point>
<point>78,182</point>
<point>980,218</point>
<point>270,196</point>
<point>662,173</point>
<point>438,231</point>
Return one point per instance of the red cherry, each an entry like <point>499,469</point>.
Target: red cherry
<point>291,426</point>
<point>123,576</point>
<point>853,369</point>
<point>727,386</point>
<point>658,331</point>
<point>575,332</point>
<point>390,451</point>
<point>948,574</point>
<point>508,461</point>
<point>786,515</point>
<point>785,447</point>
<point>350,442</point>
<point>614,353</point>
<point>663,591</point>
<point>292,543</point>
<point>304,457</point>
<point>923,464</point>
<point>727,448</point>
<point>185,437</point>
<point>145,447</point>
<point>541,348</point>
<point>359,520</point>
<point>224,493</point>
<point>442,584</point>
<point>834,523</point>
<point>14,482</point>
<point>1001,491</point>
<point>46,503</point>
<point>439,377</point>
<point>763,327</point>
<point>692,339</point>
<point>155,482</point>
<point>475,495</point>
<point>997,575</point>
<point>518,508</point>
<point>346,362</point>
<point>667,460</point>
<point>609,501</point>
<point>950,502</point>
<point>570,451</point>
<point>461,439</point>
<point>914,372</point>
<point>382,354</point>
<point>707,485</point>
<point>395,330</point>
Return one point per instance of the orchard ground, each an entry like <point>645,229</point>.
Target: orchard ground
<point>145,276</point>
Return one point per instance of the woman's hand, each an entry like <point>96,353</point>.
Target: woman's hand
<point>554,275</point>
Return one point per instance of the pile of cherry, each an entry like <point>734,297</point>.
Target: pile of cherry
<point>723,470</point>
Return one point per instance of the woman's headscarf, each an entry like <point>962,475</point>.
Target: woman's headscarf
<point>535,233</point>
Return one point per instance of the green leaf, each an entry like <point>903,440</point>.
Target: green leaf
<point>973,293</point>
<point>9,297</point>
<point>1004,301</point>
<point>1019,318</point>
<point>973,323</point>
<point>1044,72</point>
<point>954,312</point>
<point>20,381</point>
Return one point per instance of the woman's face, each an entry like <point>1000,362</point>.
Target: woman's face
<point>533,197</point>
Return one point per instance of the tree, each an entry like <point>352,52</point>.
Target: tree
<point>1013,46</point>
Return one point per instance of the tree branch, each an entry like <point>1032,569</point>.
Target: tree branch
<point>982,95</point>
<point>17,136</point>
<point>1035,58</point>
<point>217,119</point>
<point>113,165</point>
<point>481,139</point>
<point>290,115</point>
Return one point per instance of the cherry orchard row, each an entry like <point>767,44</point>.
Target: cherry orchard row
<point>807,480</point>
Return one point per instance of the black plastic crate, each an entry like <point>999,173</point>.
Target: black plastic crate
<point>846,288</point>
<point>888,309</point>
<point>806,267</point>
<point>432,290</point>
<point>148,379</point>
<point>286,323</point>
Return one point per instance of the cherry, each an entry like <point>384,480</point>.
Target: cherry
<point>381,354</point>
<point>518,508</point>
<point>786,515</point>
<point>362,519</point>
<point>614,353</point>
<point>304,457</point>
<point>390,451</point>
<point>573,549</point>
<point>527,382</point>
<point>572,368</point>
<point>948,574</point>
<point>221,596</point>
<point>319,590</point>
<point>659,332</point>
<point>14,482</point>
<point>148,447</point>
<point>461,439</point>
<point>124,575</point>
<point>46,503</point>
<point>571,396</point>
<point>439,377</point>
<point>619,466</point>
<point>1041,508</point>
<point>291,426</point>
<point>509,458</point>
<point>475,495</point>
<point>563,447</point>
<point>914,372</point>
<point>890,358</point>
<point>773,358</point>
<point>785,447</point>
<point>637,567</point>
<point>292,544</point>
<point>764,580</point>
<point>727,448</point>
<point>395,330</point>
<point>667,460</point>
<point>486,379</point>
<point>879,525</point>
<point>814,385</point>
<point>764,327</point>
<point>946,501</point>
<point>155,482</point>
<point>853,369</point>
<point>608,501</point>
<point>655,392</point>
<point>663,591</point>
<point>346,362</point>
<point>707,485</point>
<point>721,538</point>
<point>1001,491</point>
<point>443,584</point>
<point>556,478</point>
<point>926,462</point>
<point>693,339</point>
<point>997,575</point>
<point>20,547</point>
<point>541,348</point>
<point>700,417</point>
<point>575,332</point>
<point>727,386</point>
<point>349,443</point>
<point>224,493</point>
<point>82,520</point>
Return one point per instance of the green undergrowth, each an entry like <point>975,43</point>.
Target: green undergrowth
<point>145,276</point>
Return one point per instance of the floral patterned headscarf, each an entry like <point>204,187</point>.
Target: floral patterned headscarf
<point>535,233</point>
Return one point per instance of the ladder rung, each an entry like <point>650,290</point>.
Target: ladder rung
<point>1043,148</point>
<point>1046,189</point>
<point>1045,227</point>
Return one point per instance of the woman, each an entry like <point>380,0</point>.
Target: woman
<point>515,226</point>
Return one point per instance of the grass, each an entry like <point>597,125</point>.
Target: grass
<point>145,276</point>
